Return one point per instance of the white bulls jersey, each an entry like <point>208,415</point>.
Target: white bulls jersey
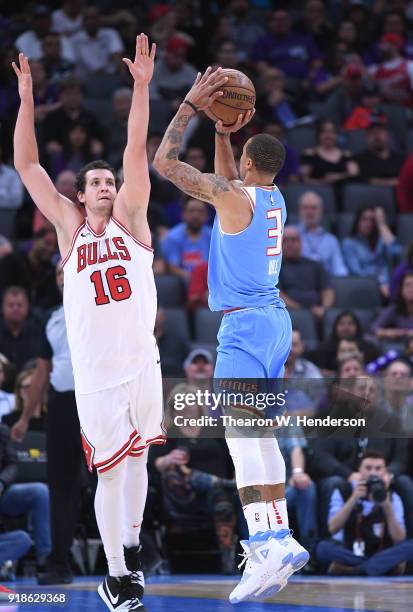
<point>110,306</point>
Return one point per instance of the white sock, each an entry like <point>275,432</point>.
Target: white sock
<point>277,514</point>
<point>109,511</point>
<point>256,517</point>
<point>135,492</point>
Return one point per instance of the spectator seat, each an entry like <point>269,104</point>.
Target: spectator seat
<point>171,290</point>
<point>303,320</point>
<point>206,325</point>
<point>176,319</point>
<point>344,226</point>
<point>7,222</point>
<point>405,228</point>
<point>358,195</point>
<point>292,194</point>
<point>356,141</point>
<point>301,137</point>
<point>356,292</point>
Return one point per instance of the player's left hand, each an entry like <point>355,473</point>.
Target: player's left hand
<point>142,67</point>
<point>206,88</point>
<point>242,120</point>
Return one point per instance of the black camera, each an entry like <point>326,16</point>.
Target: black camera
<point>376,488</point>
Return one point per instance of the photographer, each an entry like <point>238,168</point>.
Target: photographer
<point>368,530</point>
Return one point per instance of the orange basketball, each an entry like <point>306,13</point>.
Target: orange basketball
<point>238,97</point>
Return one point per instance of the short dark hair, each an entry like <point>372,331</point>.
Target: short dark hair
<point>267,153</point>
<point>15,290</point>
<point>372,454</point>
<point>99,164</point>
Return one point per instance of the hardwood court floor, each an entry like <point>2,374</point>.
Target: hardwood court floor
<point>210,594</point>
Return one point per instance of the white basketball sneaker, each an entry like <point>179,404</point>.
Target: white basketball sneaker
<point>263,558</point>
<point>294,557</point>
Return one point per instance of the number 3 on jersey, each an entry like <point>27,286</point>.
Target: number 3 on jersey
<point>117,282</point>
<point>275,232</point>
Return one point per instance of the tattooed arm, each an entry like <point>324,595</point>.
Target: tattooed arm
<point>207,187</point>
<point>210,188</point>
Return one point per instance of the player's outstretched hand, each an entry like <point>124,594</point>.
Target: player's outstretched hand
<point>242,120</point>
<point>142,67</point>
<point>24,76</point>
<point>206,88</point>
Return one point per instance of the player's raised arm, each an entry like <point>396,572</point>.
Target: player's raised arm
<point>207,187</point>
<point>224,161</point>
<point>58,209</point>
<point>132,202</point>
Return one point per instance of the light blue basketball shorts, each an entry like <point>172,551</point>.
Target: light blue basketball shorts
<point>253,343</point>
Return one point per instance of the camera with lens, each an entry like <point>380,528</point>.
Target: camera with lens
<point>376,488</point>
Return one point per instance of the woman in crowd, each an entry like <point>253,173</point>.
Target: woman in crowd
<point>395,323</point>
<point>345,327</point>
<point>38,420</point>
<point>371,247</point>
<point>327,163</point>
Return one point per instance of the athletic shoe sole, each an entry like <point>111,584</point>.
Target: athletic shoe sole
<point>102,594</point>
<point>290,565</point>
<point>276,571</point>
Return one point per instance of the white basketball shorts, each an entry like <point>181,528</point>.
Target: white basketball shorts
<point>124,420</point>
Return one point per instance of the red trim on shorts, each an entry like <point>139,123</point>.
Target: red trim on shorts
<point>138,450</point>
<point>104,466</point>
<point>88,449</point>
<point>142,244</point>
<point>75,235</point>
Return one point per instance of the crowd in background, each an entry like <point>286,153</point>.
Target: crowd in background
<point>334,82</point>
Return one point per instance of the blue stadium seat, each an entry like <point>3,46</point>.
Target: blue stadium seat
<point>405,228</point>
<point>358,195</point>
<point>171,291</point>
<point>7,222</point>
<point>356,292</point>
<point>344,225</point>
<point>356,141</point>
<point>301,137</point>
<point>365,316</point>
<point>292,194</point>
<point>303,320</point>
<point>177,319</point>
<point>409,145</point>
<point>206,325</point>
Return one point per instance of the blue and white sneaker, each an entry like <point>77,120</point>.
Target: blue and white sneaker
<point>294,557</point>
<point>263,559</point>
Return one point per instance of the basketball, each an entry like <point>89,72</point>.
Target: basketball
<point>238,97</point>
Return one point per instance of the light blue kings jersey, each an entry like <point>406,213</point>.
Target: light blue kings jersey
<point>244,267</point>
